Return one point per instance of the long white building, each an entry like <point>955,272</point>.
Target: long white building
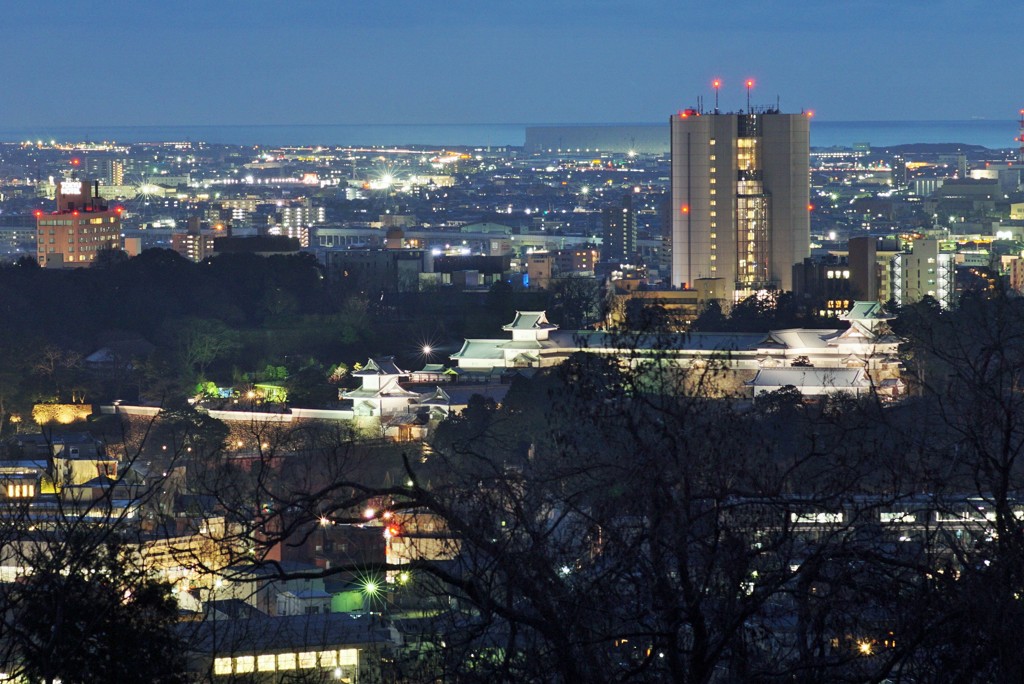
<point>816,361</point>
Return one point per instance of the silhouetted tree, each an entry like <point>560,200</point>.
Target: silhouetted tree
<point>88,614</point>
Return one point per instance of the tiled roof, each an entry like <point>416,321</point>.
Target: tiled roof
<point>530,320</point>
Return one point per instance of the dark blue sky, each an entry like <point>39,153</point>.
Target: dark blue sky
<point>151,62</point>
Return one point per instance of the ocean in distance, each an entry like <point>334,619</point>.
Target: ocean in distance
<point>995,134</point>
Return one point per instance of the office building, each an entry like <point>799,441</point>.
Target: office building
<point>194,245</point>
<point>928,268</point>
<point>740,198</point>
<point>82,226</point>
<point>300,215</point>
<point>822,284</point>
<point>870,259</point>
<point>107,170</point>
<point>581,261</point>
<point>619,223</point>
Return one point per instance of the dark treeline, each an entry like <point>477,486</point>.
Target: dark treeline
<point>173,323</point>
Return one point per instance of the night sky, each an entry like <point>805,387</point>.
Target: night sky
<point>149,62</point>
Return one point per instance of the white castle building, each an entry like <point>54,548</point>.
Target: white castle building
<point>816,362</point>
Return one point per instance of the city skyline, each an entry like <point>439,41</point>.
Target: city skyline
<point>265,63</point>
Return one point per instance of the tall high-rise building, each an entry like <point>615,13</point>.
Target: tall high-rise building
<point>740,198</point>
<point>619,224</point>
<point>82,226</point>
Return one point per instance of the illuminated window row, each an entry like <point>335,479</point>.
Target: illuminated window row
<point>21,491</point>
<point>816,518</point>
<point>283,662</point>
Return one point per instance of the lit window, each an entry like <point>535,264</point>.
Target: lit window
<point>222,666</point>
<point>899,517</point>
<point>266,663</point>
<point>286,661</point>
<point>307,660</point>
<point>245,664</point>
<point>816,518</point>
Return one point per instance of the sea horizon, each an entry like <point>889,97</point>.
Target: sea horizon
<point>991,133</point>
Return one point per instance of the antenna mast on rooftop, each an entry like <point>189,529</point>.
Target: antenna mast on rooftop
<point>1020,138</point>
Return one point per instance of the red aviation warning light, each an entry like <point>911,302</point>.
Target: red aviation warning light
<point>750,84</point>
<point>119,210</point>
<point>75,161</point>
<point>810,207</point>
<point>684,209</point>
<point>716,84</point>
<point>37,213</point>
